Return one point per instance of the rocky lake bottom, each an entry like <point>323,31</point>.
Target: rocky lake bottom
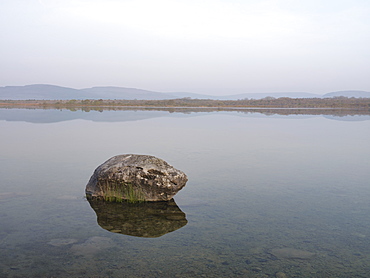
<point>267,196</point>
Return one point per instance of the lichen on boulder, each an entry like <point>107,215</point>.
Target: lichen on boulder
<point>135,178</point>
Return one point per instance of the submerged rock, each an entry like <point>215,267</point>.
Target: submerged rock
<point>92,246</point>
<point>280,275</point>
<point>148,219</point>
<point>291,253</point>
<point>62,241</point>
<point>135,178</point>
<point>11,195</point>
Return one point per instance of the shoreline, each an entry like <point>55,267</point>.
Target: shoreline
<point>335,111</point>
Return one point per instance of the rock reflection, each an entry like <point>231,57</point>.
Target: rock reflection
<point>150,219</point>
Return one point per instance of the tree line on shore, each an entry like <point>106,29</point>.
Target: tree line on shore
<point>267,102</point>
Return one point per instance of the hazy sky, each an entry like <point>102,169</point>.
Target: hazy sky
<point>203,46</point>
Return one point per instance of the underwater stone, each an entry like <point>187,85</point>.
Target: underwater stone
<point>291,253</point>
<point>136,178</point>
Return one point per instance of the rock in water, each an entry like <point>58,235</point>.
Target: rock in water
<point>135,178</point>
<point>280,275</point>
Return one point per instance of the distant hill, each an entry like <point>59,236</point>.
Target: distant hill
<point>356,94</point>
<point>191,95</point>
<point>246,95</point>
<point>52,92</point>
<point>40,91</point>
<point>275,95</point>
<point>124,93</point>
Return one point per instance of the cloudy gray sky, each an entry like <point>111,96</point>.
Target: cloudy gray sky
<point>203,46</point>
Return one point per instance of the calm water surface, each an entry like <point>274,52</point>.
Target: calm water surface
<point>267,195</point>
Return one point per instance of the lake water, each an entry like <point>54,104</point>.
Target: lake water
<point>268,195</point>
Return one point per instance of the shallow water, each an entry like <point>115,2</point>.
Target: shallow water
<point>266,196</point>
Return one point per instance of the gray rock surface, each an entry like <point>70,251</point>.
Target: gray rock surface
<point>135,178</point>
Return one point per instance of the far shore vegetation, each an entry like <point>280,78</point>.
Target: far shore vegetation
<point>337,106</point>
<point>267,102</point>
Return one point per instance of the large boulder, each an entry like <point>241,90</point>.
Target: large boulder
<point>135,178</point>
